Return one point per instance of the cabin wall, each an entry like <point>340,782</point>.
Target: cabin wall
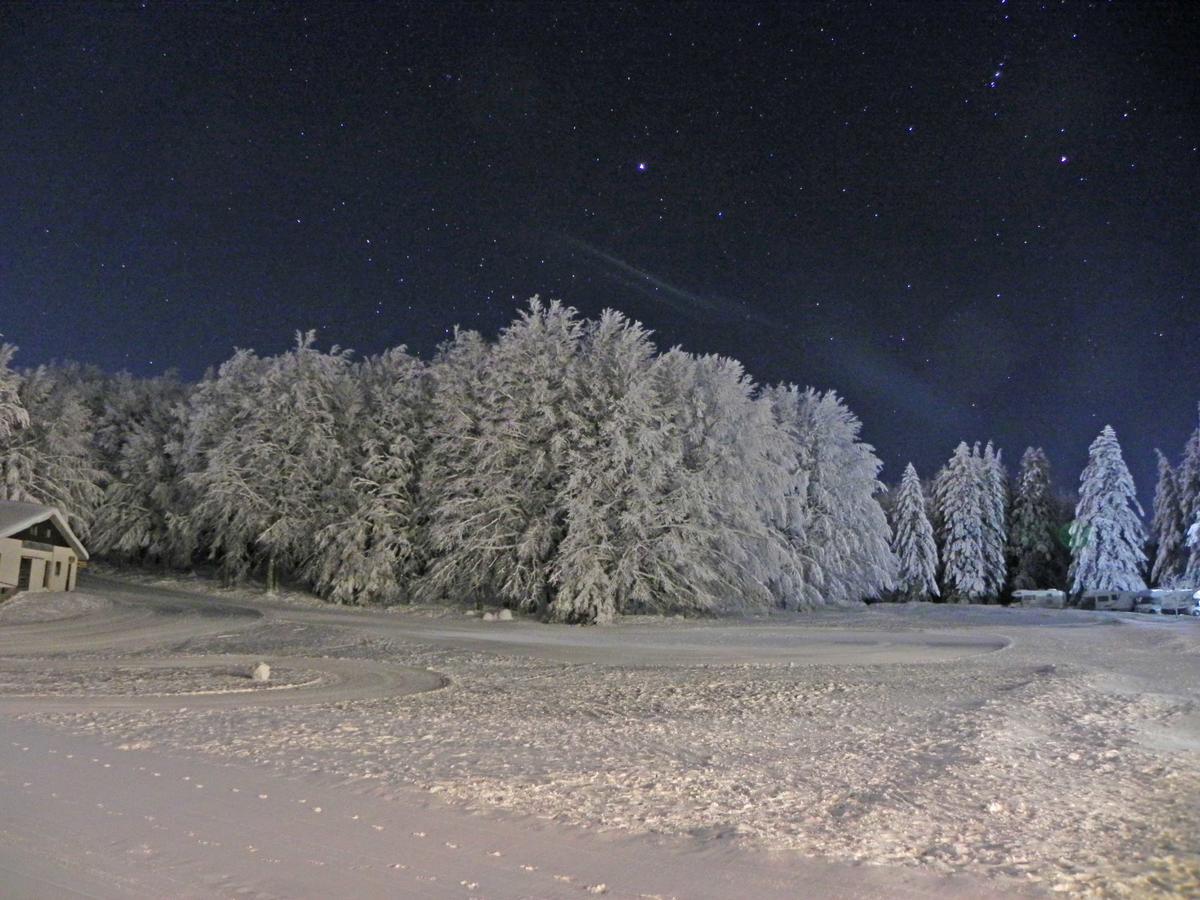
<point>10,561</point>
<point>51,568</point>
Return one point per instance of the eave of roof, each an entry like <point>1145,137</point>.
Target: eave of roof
<point>16,517</point>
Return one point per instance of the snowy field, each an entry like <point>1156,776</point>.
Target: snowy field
<point>896,751</point>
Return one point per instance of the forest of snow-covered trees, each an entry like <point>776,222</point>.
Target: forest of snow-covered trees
<point>568,468</point>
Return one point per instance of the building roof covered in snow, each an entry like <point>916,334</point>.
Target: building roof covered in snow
<point>17,517</point>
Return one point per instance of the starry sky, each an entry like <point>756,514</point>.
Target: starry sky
<point>975,220</point>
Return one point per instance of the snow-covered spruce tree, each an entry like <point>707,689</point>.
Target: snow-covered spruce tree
<point>617,455</point>
<point>1187,479</point>
<point>265,484</point>
<point>206,414</point>
<point>135,433</point>
<point>839,534</point>
<point>1031,533</point>
<point>499,446</point>
<point>739,464</point>
<point>994,506</point>
<point>51,461</point>
<point>912,540</point>
<point>1107,537</point>
<point>13,416</point>
<point>372,547</point>
<point>1191,574</point>
<point>960,515</point>
<point>1168,530</point>
<point>671,460</point>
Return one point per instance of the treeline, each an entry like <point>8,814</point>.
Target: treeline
<point>981,534</point>
<point>568,468</point>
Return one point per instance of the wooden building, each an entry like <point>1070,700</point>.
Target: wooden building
<point>38,550</point>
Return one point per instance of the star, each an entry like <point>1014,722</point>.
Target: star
<point>642,167</point>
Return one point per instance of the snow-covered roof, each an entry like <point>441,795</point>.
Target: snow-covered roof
<point>16,517</point>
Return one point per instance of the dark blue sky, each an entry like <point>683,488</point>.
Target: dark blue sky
<point>974,220</point>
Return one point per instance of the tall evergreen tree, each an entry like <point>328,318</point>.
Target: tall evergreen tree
<point>618,458</point>
<point>1187,479</point>
<point>373,546</point>
<point>141,423</point>
<point>834,522</point>
<point>51,461</point>
<point>912,540</point>
<point>495,518</point>
<point>994,508</point>
<point>264,485</point>
<point>1167,529</point>
<point>960,514</point>
<point>1191,575</point>
<point>1107,537</point>
<point>13,416</point>
<point>1031,535</point>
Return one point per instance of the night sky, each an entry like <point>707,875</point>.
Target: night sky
<point>974,220</point>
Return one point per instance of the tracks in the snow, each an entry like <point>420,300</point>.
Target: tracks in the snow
<point>140,621</point>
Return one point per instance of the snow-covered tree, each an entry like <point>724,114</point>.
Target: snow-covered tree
<point>135,434</point>
<point>498,427</point>
<point>672,462</point>
<point>1168,530</point>
<point>1031,534</point>
<point>837,529</point>
<point>1107,537</point>
<point>1187,479</point>
<point>272,456</point>
<point>994,507</point>
<point>372,548</point>
<point>912,541</point>
<point>617,459</point>
<point>51,460</point>
<point>13,416</point>
<point>958,495</point>
<point>1191,575</point>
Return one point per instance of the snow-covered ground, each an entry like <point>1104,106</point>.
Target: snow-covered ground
<point>963,751</point>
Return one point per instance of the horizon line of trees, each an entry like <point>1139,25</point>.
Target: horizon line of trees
<point>568,468</point>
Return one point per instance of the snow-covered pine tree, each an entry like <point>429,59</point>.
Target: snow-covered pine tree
<point>1167,529</point>
<point>738,466</point>
<point>1191,575</point>
<point>499,435</point>
<point>1031,537</point>
<point>994,506</point>
<point>373,547</point>
<point>51,461</point>
<point>140,422</point>
<point>695,532</point>
<point>459,403</point>
<point>13,416</point>
<point>836,527</point>
<point>617,455</point>
<point>1187,483</point>
<point>960,515</point>
<point>207,413</point>
<point>913,541</point>
<point>673,463</point>
<point>1107,537</point>
<point>264,485</point>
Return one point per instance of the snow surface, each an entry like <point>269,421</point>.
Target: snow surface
<point>964,751</point>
